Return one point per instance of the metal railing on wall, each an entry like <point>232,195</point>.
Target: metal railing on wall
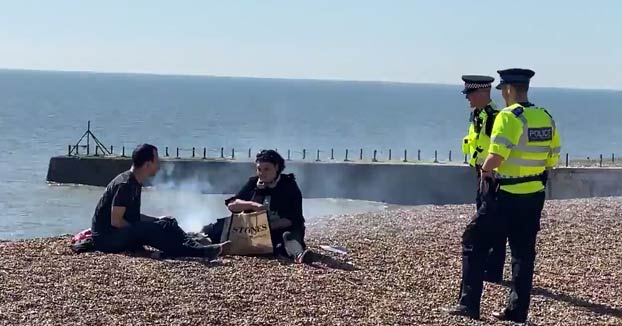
<point>330,155</point>
<point>82,148</point>
<point>87,137</point>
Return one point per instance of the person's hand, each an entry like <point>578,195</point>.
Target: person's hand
<point>258,207</point>
<point>484,180</point>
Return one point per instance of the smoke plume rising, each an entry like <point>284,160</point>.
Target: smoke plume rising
<point>184,199</point>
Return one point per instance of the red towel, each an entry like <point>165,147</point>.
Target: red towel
<point>82,235</point>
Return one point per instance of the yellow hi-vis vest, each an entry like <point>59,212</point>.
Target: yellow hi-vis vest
<point>527,139</point>
<point>475,144</point>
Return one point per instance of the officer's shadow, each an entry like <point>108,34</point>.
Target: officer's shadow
<point>596,308</point>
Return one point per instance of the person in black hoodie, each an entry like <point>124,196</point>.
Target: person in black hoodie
<point>279,195</point>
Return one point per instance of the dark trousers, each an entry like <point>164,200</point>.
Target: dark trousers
<point>164,235</point>
<point>493,270</point>
<point>495,259</point>
<point>516,217</point>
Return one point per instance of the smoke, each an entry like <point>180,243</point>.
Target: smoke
<point>184,197</point>
<point>335,188</point>
<point>395,184</point>
<point>186,193</point>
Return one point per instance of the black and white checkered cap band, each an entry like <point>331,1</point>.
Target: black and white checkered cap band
<point>476,85</point>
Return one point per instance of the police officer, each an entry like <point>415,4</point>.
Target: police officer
<point>525,143</point>
<point>475,145</point>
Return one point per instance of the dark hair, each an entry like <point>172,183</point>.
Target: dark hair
<point>271,156</point>
<point>521,88</point>
<point>142,154</point>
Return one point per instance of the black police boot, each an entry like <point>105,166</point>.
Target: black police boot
<point>461,310</point>
<point>504,315</point>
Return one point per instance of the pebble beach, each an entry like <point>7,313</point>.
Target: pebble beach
<point>402,265</point>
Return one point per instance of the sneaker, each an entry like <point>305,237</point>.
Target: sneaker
<point>215,250</point>
<point>460,310</point>
<point>505,315</point>
<point>305,257</point>
<point>201,238</point>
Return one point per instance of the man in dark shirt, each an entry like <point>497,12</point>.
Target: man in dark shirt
<point>124,193</point>
<point>119,226</point>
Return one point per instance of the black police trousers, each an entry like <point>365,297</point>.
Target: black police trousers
<point>493,270</point>
<point>516,217</point>
<point>163,234</point>
<point>493,266</point>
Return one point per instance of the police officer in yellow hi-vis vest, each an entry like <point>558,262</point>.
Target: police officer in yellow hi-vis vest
<point>475,145</point>
<point>483,110</point>
<point>525,143</point>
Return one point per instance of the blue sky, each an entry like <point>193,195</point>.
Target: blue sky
<point>568,43</point>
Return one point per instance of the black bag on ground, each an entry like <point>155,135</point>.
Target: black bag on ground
<point>81,246</point>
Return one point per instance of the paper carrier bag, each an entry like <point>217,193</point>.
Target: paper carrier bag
<point>249,234</point>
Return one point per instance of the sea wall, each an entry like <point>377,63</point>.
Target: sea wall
<point>394,183</point>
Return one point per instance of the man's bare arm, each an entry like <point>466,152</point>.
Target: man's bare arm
<point>492,162</point>
<point>239,205</point>
<point>116,217</point>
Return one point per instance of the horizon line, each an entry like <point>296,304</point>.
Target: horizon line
<point>199,75</point>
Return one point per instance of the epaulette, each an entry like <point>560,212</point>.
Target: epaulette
<point>518,111</point>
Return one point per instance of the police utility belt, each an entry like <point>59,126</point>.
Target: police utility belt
<point>508,181</point>
<point>514,181</point>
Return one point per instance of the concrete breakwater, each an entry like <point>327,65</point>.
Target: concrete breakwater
<point>393,183</point>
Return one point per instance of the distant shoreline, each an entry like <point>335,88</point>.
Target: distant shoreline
<point>272,78</point>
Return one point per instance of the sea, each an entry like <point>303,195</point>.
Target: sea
<point>42,112</point>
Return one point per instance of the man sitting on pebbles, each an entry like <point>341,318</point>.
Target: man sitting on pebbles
<point>119,226</point>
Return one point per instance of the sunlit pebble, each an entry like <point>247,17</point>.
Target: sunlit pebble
<point>408,264</point>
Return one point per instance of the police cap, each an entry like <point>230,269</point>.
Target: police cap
<point>473,82</point>
<point>515,76</point>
